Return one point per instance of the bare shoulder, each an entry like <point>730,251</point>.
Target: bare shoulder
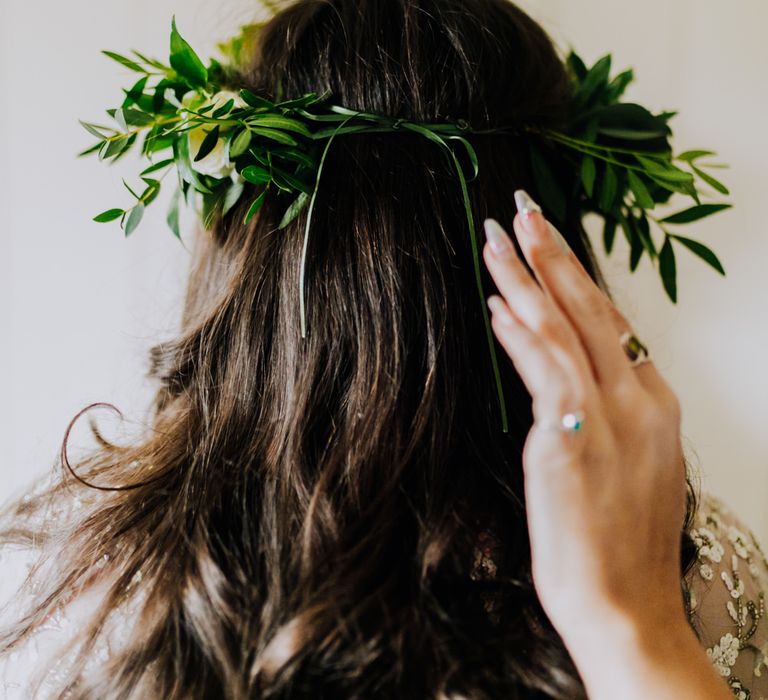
<point>726,597</point>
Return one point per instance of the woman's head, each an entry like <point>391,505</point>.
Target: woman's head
<point>305,513</point>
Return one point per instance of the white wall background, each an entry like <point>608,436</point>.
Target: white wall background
<point>80,306</point>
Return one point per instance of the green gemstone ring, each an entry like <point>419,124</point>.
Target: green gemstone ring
<point>568,423</point>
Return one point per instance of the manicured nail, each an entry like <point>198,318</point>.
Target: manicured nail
<point>525,205</point>
<point>500,242</point>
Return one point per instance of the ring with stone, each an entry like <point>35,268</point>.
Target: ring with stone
<point>634,349</point>
<point>571,422</point>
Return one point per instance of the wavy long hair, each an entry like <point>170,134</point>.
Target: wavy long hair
<point>303,516</point>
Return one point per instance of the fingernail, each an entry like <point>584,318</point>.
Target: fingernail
<point>500,242</point>
<point>525,204</point>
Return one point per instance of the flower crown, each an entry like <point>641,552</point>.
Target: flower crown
<point>221,139</point>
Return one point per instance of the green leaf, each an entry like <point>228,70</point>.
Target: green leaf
<point>254,100</point>
<point>95,147</point>
<point>115,146</point>
<point>254,207</point>
<point>135,93</point>
<point>595,78</point>
<point>93,129</point>
<point>128,187</point>
<point>702,251</point>
<point>577,65</point>
<point>694,213</point>
<point>185,61</point>
<point>631,134</point>
<point>240,143</point>
<point>119,117</point>
<point>588,173</point>
<point>226,108</point>
<point>275,135</point>
<point>256,175</point>
<point>172,218</point>
<point>303,101</point>
<point>232,197</point>
<point>668,270</point>
<point>277,122</point>
<point>157,166</point>
<point>294,209</point>
<point>151,191</point>
<point>287,181</point>
<point>642,196</point>
<point>643,229</point>
<point>150,61</point>
<point>122,60</point>
<point>609,234</point>
<point>296,156</point>
<point>693,155</point>
<point>711,181</point>
<point>135,117</point>
<point>109,215</point>
<point>664,170</point>
<point>208,144</point>
<point>619,84</point>
<point>134,218</point>
<point>608,188</point>
<point>184,164</point>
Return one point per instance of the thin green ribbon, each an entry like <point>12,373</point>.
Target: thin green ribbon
<point>432,132</point>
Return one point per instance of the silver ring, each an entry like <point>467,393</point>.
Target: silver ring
<point>634,349</point>
<point>571,422</point>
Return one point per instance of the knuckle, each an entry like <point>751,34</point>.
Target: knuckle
<point>547,326</point>
<point>544,252</point>
<point>626,394</point>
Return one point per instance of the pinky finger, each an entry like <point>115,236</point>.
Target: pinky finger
<point>543,376</point>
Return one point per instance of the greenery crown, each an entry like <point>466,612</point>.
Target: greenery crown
<point>222,138</point>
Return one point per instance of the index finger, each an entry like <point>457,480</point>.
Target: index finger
<point>575,293</point>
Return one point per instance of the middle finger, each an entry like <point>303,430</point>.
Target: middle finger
<point>579,298</point>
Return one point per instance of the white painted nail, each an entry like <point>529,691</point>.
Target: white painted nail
<point>500,242</point>
<point>525,204</point>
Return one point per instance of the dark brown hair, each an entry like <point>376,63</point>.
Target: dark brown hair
<point>303,516</point>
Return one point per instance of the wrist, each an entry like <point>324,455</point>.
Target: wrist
<point>640,655</point>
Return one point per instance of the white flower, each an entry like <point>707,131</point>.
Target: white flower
<point>216,163</point>
<point>707,544</point>
<point>735,590</point>
<point>739,541</point>
<point>706,572</point>
<point>724,654</point>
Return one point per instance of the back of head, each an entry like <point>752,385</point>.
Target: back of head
<point>306,513</point>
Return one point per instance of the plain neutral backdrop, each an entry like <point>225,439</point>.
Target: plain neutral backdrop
<point>80,306</point>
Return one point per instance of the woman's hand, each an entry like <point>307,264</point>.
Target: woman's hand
<point>606,504</point>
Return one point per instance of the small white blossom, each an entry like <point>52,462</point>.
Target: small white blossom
<point>706,572</point>
<point>707,544</point>
<point>724,654</point>
<point>739,541</point>
<point>735,589</point>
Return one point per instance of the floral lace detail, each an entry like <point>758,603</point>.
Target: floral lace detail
<point>725,598</point>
